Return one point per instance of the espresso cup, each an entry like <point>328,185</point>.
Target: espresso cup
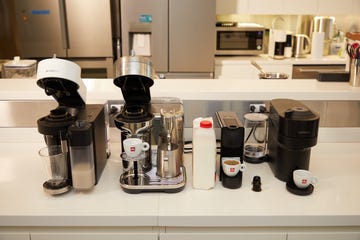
<point>303,178</point>
<point>133,147</point>
<point>231,166</point>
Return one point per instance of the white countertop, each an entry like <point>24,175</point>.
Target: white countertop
<point>265,59</point>
<point>197,89</point>
<point>335,201</point>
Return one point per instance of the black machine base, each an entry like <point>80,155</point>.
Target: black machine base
<point>291,187</point>
<point>56,188</point>
<point>231,182</point>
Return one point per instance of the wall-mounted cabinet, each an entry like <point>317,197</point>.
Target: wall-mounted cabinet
<point>339,7</point>
<point>288,7</point>
<point>232,6</point>
<point>282,7</point>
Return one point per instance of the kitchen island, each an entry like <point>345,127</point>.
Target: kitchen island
<point>107,212</point>
<point>25,209</point>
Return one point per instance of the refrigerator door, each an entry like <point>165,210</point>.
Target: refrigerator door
<point>147,16</point>
<point>192,35</point>
<point>89,28</point>
<point>40,25</point>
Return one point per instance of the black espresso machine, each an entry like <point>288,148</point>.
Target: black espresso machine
<point>293,130</point>
<point>74,132</point>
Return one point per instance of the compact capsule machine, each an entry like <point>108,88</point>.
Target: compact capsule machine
<point>293,130</point>
<point>74,132</point>
<point>151,132</point>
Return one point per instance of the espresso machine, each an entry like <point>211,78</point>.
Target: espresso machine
<point>157,123</point>
<point>232,147</point>
<point>293,130</point>
<point>74,132</point>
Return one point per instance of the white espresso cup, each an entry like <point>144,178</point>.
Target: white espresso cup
<point>303,178</point>
<point>133,147</point>
<point>231,166</point>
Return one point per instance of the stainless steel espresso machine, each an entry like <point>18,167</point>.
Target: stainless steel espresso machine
<point>74,132</point>
<point>151,132</point>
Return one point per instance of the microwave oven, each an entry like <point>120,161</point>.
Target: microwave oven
<point>240,39</point>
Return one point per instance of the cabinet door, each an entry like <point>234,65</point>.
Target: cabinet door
<point>94,236</point>
<point>89,28</point>
<point>223,236</point>
<point>40,28</point>
<point>324,236</point>
<point>232,7</point>
<point>266,6</point>
<point>335,7</point>
<point>14,236</point>
<point>191,35</point>
<point>355,7</point>
<point>300,7</point>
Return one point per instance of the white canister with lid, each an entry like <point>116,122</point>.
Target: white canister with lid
<point>204,153</point>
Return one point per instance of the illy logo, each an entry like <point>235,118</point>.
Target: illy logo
<point>132,149</point>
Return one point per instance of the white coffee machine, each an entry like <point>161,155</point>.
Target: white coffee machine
<point>74,132</point>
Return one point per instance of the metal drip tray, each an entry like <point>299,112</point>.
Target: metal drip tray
<point>150,182</point>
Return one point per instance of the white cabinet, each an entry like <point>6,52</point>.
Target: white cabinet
<point>288,7</point>
<point>300,7</point>
<point>14,236</point>
<point>88,233</point>
<point>232,6</point>
<point>335,6</point>
<point>265,6</point>
<point>223,236</point>
<point>324,236</point>
<point>355,7</point>
<point>93,236</point>
<point>259,235</point>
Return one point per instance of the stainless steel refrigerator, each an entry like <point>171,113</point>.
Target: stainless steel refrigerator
<point>181,34</point>
<point>67,28</point>
<point>75,29</point>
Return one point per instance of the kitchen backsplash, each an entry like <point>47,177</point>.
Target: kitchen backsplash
<point>332,113</point>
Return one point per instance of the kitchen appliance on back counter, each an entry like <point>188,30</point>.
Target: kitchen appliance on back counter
<point>19,68</point>
<point>324,24</point>
<point>178,36</point>
<point>293,130</point>
<point>277,42</point>
<point>277,39</point>
<point>151,132</point>
<point>302,45</point>
<point>234,38</point>
<point>74,132</point>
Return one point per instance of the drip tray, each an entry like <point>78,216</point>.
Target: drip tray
<point>150,182</point>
